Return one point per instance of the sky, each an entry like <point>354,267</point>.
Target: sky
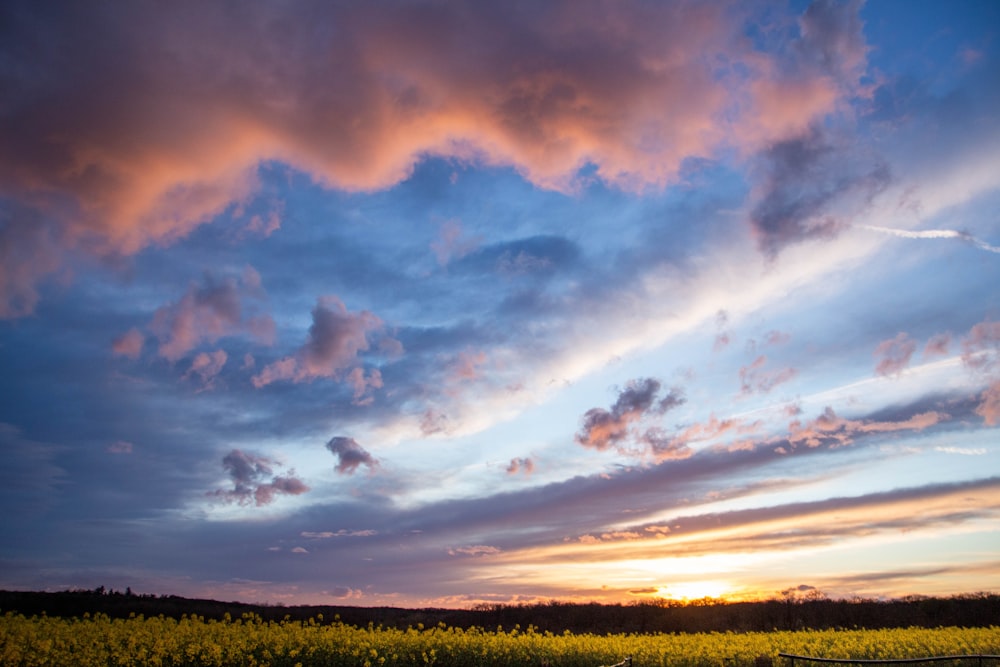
<point>427,303</point>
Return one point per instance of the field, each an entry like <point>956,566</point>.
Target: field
<point>99,640</point>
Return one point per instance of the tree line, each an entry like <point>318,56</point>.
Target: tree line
<point>709,615</point>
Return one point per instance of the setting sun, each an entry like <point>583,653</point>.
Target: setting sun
<point>694,590</point>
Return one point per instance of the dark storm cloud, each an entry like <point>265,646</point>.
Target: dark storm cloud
<point>350,455</point>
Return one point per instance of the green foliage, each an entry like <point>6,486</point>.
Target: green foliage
<point>99,640</point>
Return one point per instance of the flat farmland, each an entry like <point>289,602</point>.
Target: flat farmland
<point>98,640</point>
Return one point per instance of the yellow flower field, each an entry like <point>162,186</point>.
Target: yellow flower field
<point>98,640</point>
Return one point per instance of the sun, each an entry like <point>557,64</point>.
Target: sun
<point>694,590</point>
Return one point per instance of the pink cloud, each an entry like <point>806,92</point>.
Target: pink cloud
<point>211,311</point>
<point>129,344</point>
<point>938,345</point>
<point>466,366</point>
<point>453,243</point>
<point>433,421</point>
<point>521,465</point>
<point>989,408</point>
<point>894,355</point>
<point>335,340</point>
<point>981,347</point>
<point>677,445</point>
<point>755,379</point>
<point>364,384</point>
<point>610,428</point>
<point>141,146</point>
<point>831,429</point>
<point>207,366</point>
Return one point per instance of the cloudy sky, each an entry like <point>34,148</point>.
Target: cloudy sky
<point>424,303</point>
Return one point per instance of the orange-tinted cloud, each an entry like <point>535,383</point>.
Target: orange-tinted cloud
<point>133,125</point>
<point>831,429</point>
<point>610,428</point>
<point>523,465</point>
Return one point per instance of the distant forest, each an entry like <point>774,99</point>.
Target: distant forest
<point>788,613</point>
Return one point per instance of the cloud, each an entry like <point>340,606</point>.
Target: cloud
<point>809,524</point>
<point>119,447</point>
<point>129,344</point>
<point>31,475</point>
<point>324,535</point>
<point>832,430</point>
<point>894,355</point>
<point>603,428</point>
<point>207,366</point>
<point>989,407</point>
<point>350,455</point>
<point>254,480</point>
<point>466,365</point>
<point>665,446</point>
<point>755,379</point>
<point>525,465</point>
<point>823,65</point>
<point>30,249</point>
<point>937,345</point>
<point>210,311</point>
<point>335,340</point>
<point>963,451</point>
<point>474,550</point>
<point>722,336</point>
<point>810,181</point>
<point>933,234</point>
<point>453,243</point>
<point>124,146</point>
<point>981,347</point>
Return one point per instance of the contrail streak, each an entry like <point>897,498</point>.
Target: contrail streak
<point>934,234</point>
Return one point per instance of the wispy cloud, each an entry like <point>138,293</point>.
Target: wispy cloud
<point>965,237</point>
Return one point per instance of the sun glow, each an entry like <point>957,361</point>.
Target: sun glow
<point>694,590</point>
